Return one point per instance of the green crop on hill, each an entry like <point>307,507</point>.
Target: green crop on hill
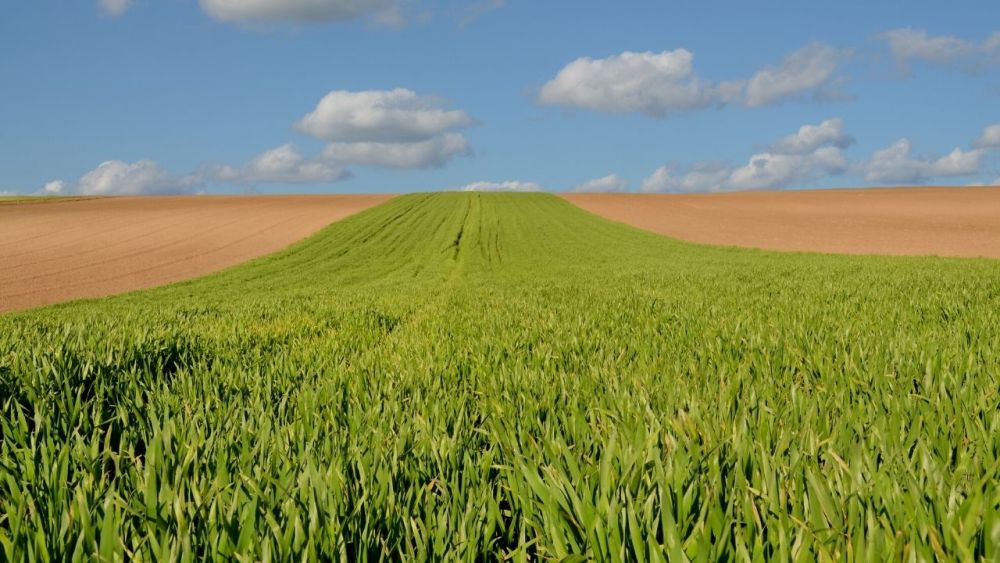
<point>24,199</point>
<point>476,376</point>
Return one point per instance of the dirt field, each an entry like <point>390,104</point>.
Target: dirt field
<point>61,250</point>
<point>893,221</point>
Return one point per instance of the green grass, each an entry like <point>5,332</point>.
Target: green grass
<point>24,199</point>
<point>476,376</point>
<point>7,199</point>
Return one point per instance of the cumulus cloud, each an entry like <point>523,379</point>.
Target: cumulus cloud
<point>908,44</point>
<point>895,164</point>
<point>808,72</point>
<point>911,43</point>
<point>383,11</point>
<point>508,186</point>
<point>811,137</point>
<point>699,177</point>
<point>609,183</point>
<point>115,177</point>
<point>57,187</point>
<point>814,152</point>
<point>650,83</point>
<point>992,43</point>
<point>283,164</point>
<point>387,128</point>
<point>380,116</point>
<point>114,7</point>
<point>657,84</point>
<point>431,153</point>
<point>990,139</point>
<point>775,170</point>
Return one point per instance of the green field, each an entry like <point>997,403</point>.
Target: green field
<point>483,376</point>
<point>24,199</point>
<point>4,199</point>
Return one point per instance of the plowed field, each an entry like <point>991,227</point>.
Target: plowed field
<point>62,250</point>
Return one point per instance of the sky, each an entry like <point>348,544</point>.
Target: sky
<point>356,96</point>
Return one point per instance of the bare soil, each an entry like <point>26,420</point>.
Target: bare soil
<point>70,249</point>
<point>891,221</point>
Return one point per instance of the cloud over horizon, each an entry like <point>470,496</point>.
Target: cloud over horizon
<point>115,177</point>
<point>508,186</point>
<point>813,152</point>
<point>609,183</point>
<point>395,129</point>
<point>895,164</point>
<point>284,165</point>
<point>403,129</point>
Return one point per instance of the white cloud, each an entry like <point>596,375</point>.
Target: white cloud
<point>383,11</point>
<point>660,83</point>
<point>699,177</point>
<point>775,170</point>
<point>56,187</point>
<point>431,153</point>
<point>380,116</point>
<point>896,165</point>
<point>814,152</point>
<point>509,186</point>
<point>992,43</point>
<point>283,164</point>
<point>387,128</point>
<point>811,137</point>
<point>114,7</point>
<point>806,72</point>
<point>908,44</point>
<point>609,183</point>
<point>650,83</point>
<point>115,177</point>
<point>990,139</point>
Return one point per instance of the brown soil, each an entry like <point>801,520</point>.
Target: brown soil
<point>70,249</point>
<point>892,221</point>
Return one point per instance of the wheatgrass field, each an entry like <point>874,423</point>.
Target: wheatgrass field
<point>465,376</point>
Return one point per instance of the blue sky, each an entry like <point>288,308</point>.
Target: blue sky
<point>187,96</point>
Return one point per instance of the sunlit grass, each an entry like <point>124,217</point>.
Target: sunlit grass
<point>478,376</point>
<point>24,199</point>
